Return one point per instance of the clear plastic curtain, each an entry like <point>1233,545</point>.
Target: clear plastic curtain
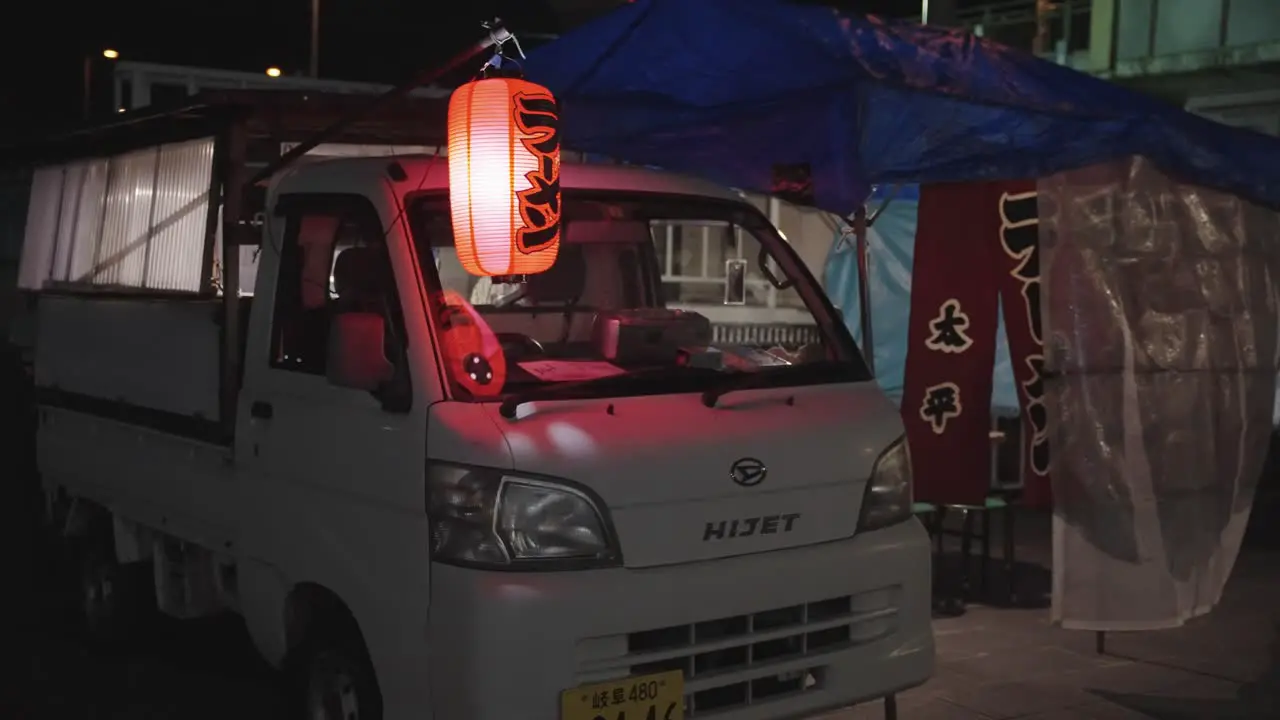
<point>1160,316</point>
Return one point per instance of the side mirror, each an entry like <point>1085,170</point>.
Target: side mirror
<point>356,356</point>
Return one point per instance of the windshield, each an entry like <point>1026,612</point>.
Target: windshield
<point>649,294</point>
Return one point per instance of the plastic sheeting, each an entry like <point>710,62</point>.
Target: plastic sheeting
<point>1161,315</point>
<point>1161,357</point>
<point>891,244</point>
<point>732,89</point>
<point>136,220</point>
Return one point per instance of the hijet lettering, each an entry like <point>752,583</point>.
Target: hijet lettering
<point>746,527</point>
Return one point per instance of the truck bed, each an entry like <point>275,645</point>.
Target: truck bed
<point>154,361</point>
<point>128,395</point>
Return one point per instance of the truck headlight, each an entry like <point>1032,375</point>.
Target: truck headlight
<point>486,518</point>
<point>887,499</point>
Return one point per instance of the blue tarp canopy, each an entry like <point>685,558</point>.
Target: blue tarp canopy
<point>732,89</point>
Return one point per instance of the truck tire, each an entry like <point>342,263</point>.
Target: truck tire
<point>334,676</point>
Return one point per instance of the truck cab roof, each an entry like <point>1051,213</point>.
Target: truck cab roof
<point>426,173</point>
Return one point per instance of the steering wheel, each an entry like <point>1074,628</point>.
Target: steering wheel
<point>518,345</point>
<point>512,298</point>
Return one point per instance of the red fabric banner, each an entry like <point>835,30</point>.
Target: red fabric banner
<point>977,250</point>
<point>1019,282</point>
<point>946,401</point>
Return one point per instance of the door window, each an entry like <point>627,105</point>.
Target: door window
<point>333,260</point>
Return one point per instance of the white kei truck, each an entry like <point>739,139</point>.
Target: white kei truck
<point>247,404</point>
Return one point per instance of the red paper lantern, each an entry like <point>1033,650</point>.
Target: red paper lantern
<point>504,176</point>
<point>473,356</point>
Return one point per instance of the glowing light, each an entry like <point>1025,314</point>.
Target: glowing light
<point>504,176</point>
<point>472,354</point>
<point>110,54</point>
<point>274,72</point>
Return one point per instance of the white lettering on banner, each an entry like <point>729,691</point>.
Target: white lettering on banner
<point>1020,240</point>
<point>941,404</point>
<point>947,330</point>
<point>1037,415</point>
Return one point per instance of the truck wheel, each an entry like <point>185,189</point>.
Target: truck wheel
<point>336,678</point>
<point>115,600</point>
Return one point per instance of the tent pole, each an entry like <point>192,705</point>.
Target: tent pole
<point>890,707</point>
<point>864,287</point>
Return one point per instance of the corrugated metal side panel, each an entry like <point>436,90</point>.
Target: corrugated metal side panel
<point>42,227</point>
<point>84,227</point>
<point>176,257</point>
<point>134,220</point>
<point>122,251</point>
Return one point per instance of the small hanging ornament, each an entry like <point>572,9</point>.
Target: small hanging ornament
<point>473,357</point>
<point>504,176</point>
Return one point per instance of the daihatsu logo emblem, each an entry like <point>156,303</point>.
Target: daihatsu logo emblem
<point>748,472</point>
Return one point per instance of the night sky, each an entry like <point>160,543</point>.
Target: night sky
<point>372,40</point>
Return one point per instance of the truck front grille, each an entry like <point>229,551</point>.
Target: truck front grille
<point>747,660</point>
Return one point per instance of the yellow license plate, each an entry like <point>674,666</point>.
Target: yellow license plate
<point>647,697</point>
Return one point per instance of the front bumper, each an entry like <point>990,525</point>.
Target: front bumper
<point>760,637</point>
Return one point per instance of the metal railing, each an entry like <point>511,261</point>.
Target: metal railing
<point>1017,22</point>
<point>136,84</point>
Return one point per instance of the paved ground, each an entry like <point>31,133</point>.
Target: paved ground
<point>993,663</point>
<point>998,663</point>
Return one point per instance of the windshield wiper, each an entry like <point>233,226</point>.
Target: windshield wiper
<point>582,388</point>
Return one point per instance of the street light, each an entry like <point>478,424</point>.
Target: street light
<point>107,53</point>
<point>314,65</point>
<point>273,72</point>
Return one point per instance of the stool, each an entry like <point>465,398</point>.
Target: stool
<point>944,605</point>
<point>929,513</point>
<point>995,503</point>
<point>998,501</point>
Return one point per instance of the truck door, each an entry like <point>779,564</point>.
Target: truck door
<point>332,476</point>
